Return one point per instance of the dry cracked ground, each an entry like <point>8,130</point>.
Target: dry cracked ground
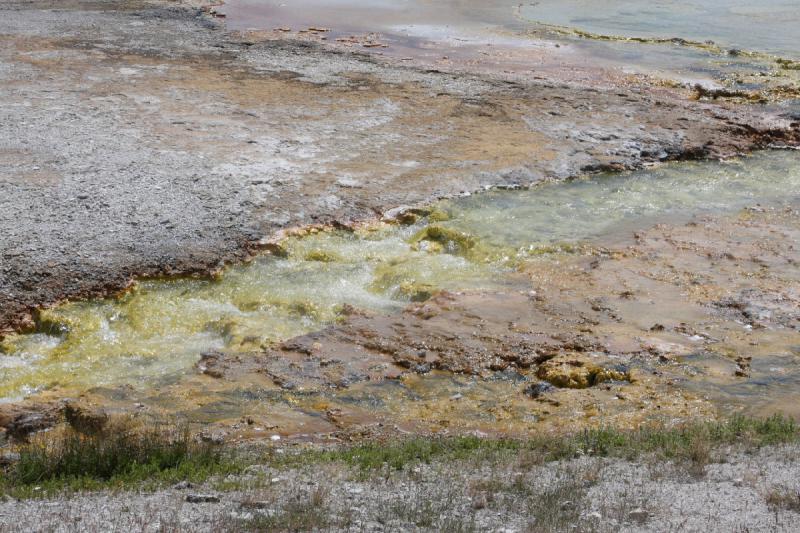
<point>144,139</point>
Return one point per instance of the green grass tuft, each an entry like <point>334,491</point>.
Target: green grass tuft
<point>120,454</point>
<point>691,442</point>
<point>124,455</point>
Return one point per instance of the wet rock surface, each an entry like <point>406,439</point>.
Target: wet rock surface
<point>623,334</point>
<point>623,356</point>
<point>143,140</point>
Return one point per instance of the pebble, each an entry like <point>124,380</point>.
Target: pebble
<point>9,458</point>
<point>422,368</point>
<point>202,498</point>
<point>255,505</point>
<point>479,502</point>
<point>216,437</point>
<point>535,390</point>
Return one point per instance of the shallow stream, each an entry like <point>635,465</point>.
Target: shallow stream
<point>160,327</point>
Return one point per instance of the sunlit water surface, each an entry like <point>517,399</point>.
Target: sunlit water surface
<point>161,327</point>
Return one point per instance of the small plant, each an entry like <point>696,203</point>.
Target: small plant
<point>424,510</point>
<point>782,498</point>
<point>119,452</point>
<point>305,511</point>
<point>559,506</point>
<point>397,455</point>
<point>699,456</point>
<point>454,524</point>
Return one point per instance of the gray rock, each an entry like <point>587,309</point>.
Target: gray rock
<point>255,504</point>
<point>538,389</point>
<point>423,368</point>
<point>202,498</point>
<point>26,423</point>
<point>638,515</point>
<point>9,458</point>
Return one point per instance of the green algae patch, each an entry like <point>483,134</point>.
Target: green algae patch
<point>417,292</point>
<point>555,248</point>
<point>436,238</point>
<point>575,371</point>
<point>322,256</point>
<point>446,239</point>
<point>788,64</point>
<point>53,322</point>
<point>304,309</point>
<point>409,216</point>
<point>418,276</point>
<point>439,215</point>
<point>7,347</point>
